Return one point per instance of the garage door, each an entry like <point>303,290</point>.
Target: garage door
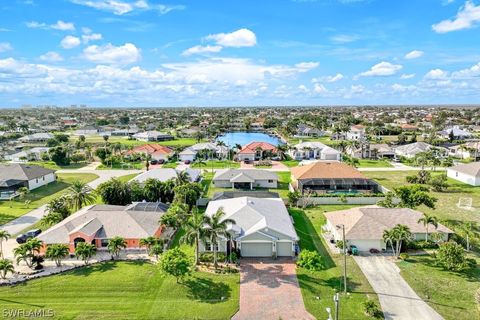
<point>256,249</point>
<point>284,249</point>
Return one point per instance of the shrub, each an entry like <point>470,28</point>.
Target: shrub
<point>310,260</point>
<point>371,308</point>
<point>207,257</point>
<point>404,256</point>
<point>470,263</point>
<point>339,244</point>
<point>412,179</point>
<point>451,256</point>
<point>427,245</point>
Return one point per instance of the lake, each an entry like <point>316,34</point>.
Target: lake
<point>243,138</point>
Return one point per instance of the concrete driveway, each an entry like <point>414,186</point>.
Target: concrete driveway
<point>269,290</point>
<point>397,298</point>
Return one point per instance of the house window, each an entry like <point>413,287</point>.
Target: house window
<point>209,247</point>
<point>103,243</point>
<point>270,181</point>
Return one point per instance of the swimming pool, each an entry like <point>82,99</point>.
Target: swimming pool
<point>243,138</point>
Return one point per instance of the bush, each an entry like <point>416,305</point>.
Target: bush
<point>339,244</point>
<point>207,257</point>
<point>412,179</point>
<point>470,263</point>
<point>427,245</point>
<point>310,260</point>
<point>371,308</point>
<point>404,256</point>
<point>451,256</point>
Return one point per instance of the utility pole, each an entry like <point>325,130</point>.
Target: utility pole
<point>336,299</point>
<point>344,258</point>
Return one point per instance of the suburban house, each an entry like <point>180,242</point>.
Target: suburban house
<point>243,193</point>
<point>245,179</point>
<point>86,131</point>
<point>156,151</point>
<point>98,223</point>
<point>257,151</point>
<point>165,174</point>
<point>211,150</point>
<point>152,136</point>
<point>37,137</point>
<point>306,131</point>
<point>458,134</point>
<point>370,151</point>
<point>407,127</point>
<point>15,176</point>
<point>33,154</point>
<point>412,149</point>
<point>468,173</point>
<point>314,150</point>
<point>357,132</point>
<point>364,226</point>
<point>466,150</point>
<point>262,228</point>
<point>331,177</point>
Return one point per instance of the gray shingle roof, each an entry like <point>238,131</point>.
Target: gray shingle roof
<point>17,171</point>
<point>472,169</point>
<point>254,174</point>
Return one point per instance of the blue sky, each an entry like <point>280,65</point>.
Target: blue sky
<point>215,53</point>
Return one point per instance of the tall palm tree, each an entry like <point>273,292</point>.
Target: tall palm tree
<point>85,251</point>
<point>22,192</point>
<point>216,226</point>
<point>79,195</point>
<point>6,266</point>
<point>194,230</point>
<point>4,236</point>
<point>22,253</point>
<point>468,231</point>
<point>148,242</point>
<point>182,178</point>
<point>57,252</point>
<point>115,245</point>
<point>389,237</point>
<point>426,220</point>
<point>401,233</point>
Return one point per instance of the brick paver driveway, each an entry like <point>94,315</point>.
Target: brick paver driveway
<point>269,290</point>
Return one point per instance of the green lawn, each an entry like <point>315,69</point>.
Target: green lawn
<point>180,142</point>
<point>124,166</point>
<point>10,210</point>
<point>127,290</point>
<point>128,177</point>
<point>325,283</point>
<point>171,165</point>
<point>365,163</point>
<point>216,164</point>
<point>325,139</point>
<point>53,166</point>
<point>282,190</point>
<point>450,294</point>
<point>291,163</point>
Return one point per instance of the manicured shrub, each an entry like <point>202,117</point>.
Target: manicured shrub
<point>371,309</point>
<point>451,256</point>
<point>207,257</point>
<point>310,260</point>
<point>404,256</point>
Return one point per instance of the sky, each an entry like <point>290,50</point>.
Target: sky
<point>135,53</point>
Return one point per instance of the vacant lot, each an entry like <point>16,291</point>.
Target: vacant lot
<point>323,284</point>
<point>10,210</point>
<point>127,290</point>
<point>451,294</point>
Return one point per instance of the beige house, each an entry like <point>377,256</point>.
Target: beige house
<point>245,179</point>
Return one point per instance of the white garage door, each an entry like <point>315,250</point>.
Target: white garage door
<point>284,249</point>
<point>256,249</point>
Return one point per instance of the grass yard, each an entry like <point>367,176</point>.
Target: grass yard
<point>128,177</point>
<point>216,164</point>
<point>127,290</point>
<point>296,140</point>
<point>290,163</point>
<point>52,165</point>
<point>171,165</point>
<point>181,142</point>
<point>10,210</point>
<point>365,163</point>
<point>122,166</point>
<point>325,283</point>
<point>446,208</point>
<point>450,294</point>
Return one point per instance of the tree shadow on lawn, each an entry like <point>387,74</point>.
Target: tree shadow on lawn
<point>5,218</point>
<point>97,267</point>
<point>207,290</point>
<point>311,283</point>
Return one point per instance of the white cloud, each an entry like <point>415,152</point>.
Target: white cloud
<point>119,7</point>
<point>5,46</point>
<point>303,88</point>
<point>467,16</point>
<point>201,49</point>
<point>110,54</point>
<point>64,26</point>
<point>335,78</point>
<point>473,71</point>
<point>401,88</point>
<point>306,66</point>
<point>319,88</point>
<point>344,38</point>
<point>70,42</point>
<point>240,38</point>
<point>59,25</point>
<point>86,38</point>
<point>407,76</point>
<point>382,69</point>
<point>436,74</point>
<point>51,56</point>
<point>414,54</point>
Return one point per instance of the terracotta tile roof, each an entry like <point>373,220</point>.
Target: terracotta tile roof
<point>151,149</point>
<point>253,146</point>
<point>327,169</point>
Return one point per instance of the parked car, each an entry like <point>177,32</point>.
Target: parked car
<point>187,162</point>
<point>161,161</point>
<point>246,161</point>
<point>154,162</point>
<point>28,235</point>
<point>354,250</point>
<point>374,251</point>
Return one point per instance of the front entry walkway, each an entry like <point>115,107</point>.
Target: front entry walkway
<point>397,298</point>
<point>269,290</point>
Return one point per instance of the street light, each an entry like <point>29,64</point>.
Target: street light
<point>336,299</point>
<point>344,257</point>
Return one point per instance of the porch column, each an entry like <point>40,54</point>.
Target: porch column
<point>251,185</point>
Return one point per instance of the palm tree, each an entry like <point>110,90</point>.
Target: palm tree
<point>388,237</point>
<point>50,219</point>
<point>401,233</point>
<point>57,252</point>
<point>22,192</point>
<point>148,243</point>
<point>85,251</point>
<point>182,178</point>
<point>4,236</point>
<point>468,231</point>
<point>115,245</point>
<point>80,194</point>
<point>26,252</point>
<point>105,138</point>
<point>216,226</point>
<point>427,220</point>
<point>6,266</point>
<point>156,250</point>
<point>194,231</point>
